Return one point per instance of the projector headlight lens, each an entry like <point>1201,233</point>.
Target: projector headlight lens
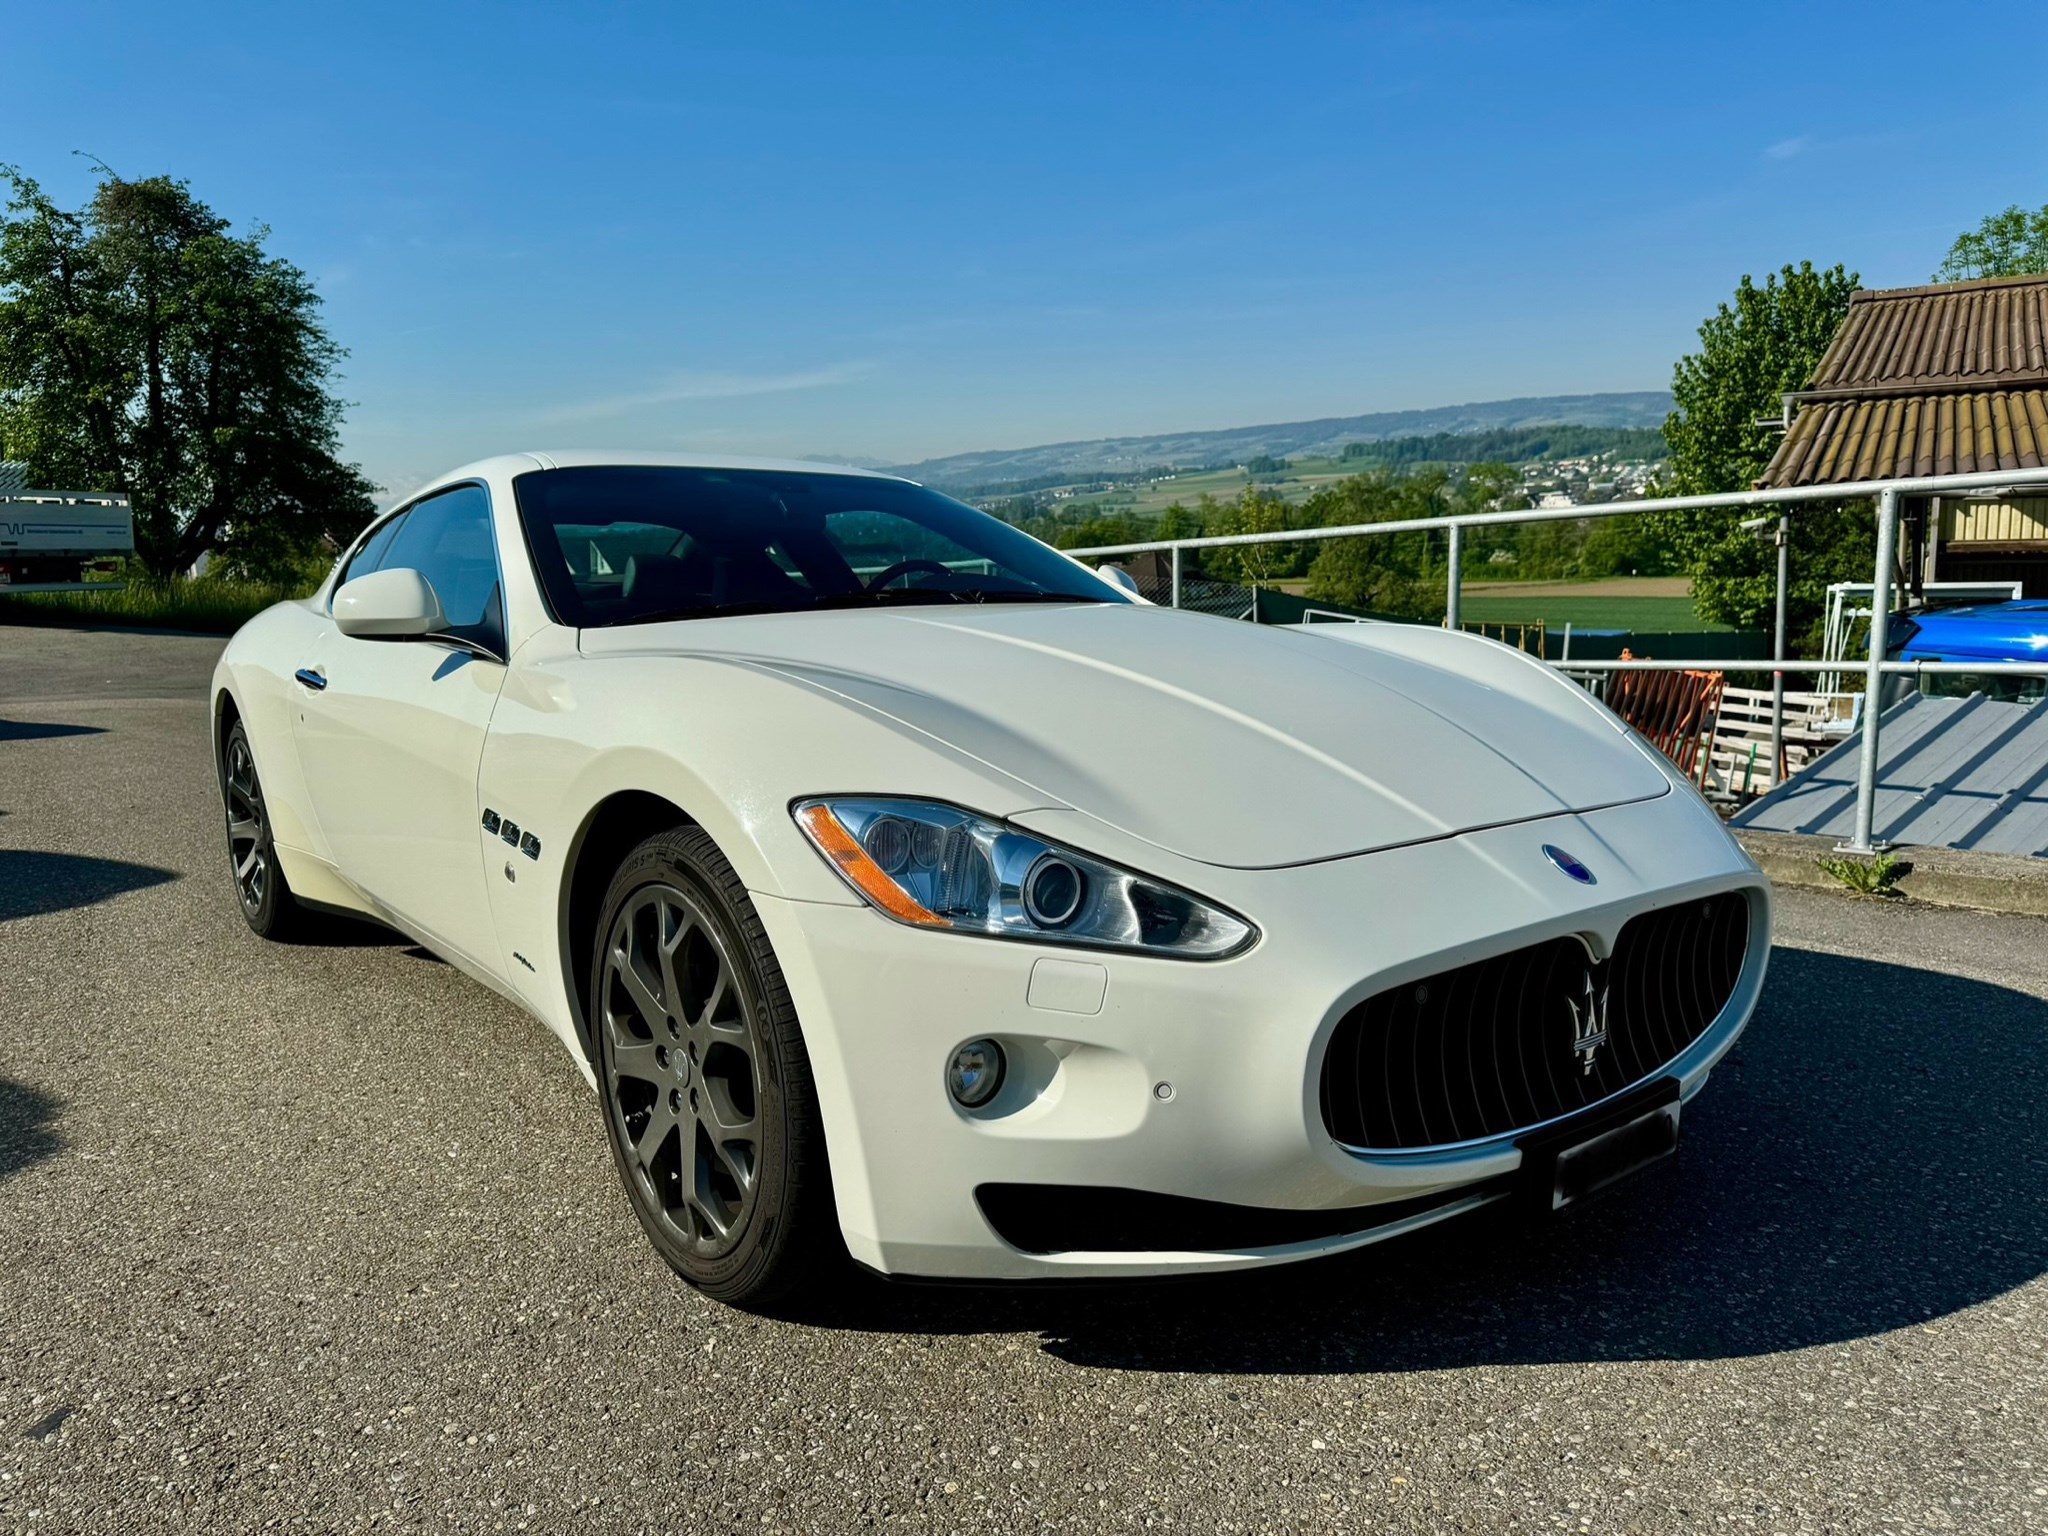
<point>937,866</point>
<point>1053,891</point>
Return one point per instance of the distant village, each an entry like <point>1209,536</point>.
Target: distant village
<point>1595,478</point>
<point>1609,475</point>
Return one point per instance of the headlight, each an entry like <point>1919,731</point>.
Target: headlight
<point>935,866</point>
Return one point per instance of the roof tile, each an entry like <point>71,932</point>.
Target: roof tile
<point>1959,333</point>
<point>1837,441</point>
<point>1949,379</point>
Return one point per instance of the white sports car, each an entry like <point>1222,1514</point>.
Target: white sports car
<point>904,886</point>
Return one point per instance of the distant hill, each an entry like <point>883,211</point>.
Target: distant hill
<point>1323,438</point>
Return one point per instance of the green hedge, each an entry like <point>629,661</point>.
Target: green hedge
<point>205,605</point>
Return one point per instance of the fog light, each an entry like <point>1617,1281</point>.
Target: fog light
<point>975,1073</point>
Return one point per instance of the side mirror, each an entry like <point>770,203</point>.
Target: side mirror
<point>388,605</point>
<point>1121,579</point>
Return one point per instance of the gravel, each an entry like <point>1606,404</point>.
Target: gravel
<point>326,1239</point>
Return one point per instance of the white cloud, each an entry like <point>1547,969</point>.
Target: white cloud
<point>1790,149</point>
<point>690,385</point>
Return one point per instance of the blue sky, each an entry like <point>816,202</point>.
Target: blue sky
<point>898,230</point>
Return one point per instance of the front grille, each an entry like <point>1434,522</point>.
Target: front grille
<point>1502,1044</point>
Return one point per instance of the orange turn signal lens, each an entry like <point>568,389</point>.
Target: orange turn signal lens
<point>862,872</point>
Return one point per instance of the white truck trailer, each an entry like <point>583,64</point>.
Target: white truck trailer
<point>51,541</point>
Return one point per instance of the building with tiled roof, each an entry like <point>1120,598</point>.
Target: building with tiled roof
<point>1948,379</point>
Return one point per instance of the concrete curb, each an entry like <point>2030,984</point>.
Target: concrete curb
<point>1941,877</point>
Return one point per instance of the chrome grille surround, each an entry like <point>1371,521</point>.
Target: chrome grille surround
<point>1505,1044</point>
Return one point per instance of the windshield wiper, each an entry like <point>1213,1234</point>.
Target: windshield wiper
<point>892,597</point>
<point>1003,595</point>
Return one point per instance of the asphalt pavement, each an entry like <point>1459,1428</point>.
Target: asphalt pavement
<point>325,1238</point>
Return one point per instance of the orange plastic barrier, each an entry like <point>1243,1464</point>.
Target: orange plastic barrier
<point>1674,711</point>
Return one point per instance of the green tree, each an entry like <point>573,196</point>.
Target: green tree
<point>146,349</point>
<point>1254,511</point>
<point>1493,487</point>
<point>1752,353</point>
<point>1393,573</point>
<point>1177,522</point>
<point>1103,529</point>
<point>2008,244</point>
<point>1625,546</point>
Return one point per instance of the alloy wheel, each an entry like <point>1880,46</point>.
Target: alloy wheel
<point>247,837</point>
<point>681,1058</point>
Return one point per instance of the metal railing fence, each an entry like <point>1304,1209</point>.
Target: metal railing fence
<point>1886,494</point>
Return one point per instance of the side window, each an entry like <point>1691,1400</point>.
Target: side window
<point>447,539</point>
<point>371,555</point>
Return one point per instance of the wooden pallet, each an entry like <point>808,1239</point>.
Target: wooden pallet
<point>1739,763</point>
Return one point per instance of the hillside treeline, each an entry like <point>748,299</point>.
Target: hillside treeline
<point>1399,573</point>
<point>1452,450</point>
<point>1512,445</point>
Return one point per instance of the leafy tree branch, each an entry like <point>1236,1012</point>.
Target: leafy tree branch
<point>146,348</point>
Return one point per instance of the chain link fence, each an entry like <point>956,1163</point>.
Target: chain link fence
<point>1224,599</point>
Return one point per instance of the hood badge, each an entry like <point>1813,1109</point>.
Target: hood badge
<point>1568,864</point>
<point>1589,1017</point>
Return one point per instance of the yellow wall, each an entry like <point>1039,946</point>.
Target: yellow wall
<point>2021,520</point>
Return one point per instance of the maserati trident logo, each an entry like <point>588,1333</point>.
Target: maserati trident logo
<point>1589,1019</point>
<point>1568,864</point>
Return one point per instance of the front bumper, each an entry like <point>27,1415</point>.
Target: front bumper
<point>1200,1080</point>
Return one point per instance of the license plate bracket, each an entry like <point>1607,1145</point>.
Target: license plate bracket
<point>1565,1164</point>
<point>1607,1159</point>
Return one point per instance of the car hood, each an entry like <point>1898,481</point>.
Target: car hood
<point>1222,742</point>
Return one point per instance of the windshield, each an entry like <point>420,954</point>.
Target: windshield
<point>624,544</point>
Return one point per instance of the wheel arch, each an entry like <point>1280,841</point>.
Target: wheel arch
<point>615,826</point>
<point>617,798</point>
<point>226,715</point>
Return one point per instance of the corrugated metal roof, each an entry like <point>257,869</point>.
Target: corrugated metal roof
<point>1882,439</point>
<point>1952,773</point>
<point>1951,379</point>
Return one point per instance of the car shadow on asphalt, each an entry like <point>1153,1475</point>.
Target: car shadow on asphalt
<point>40,730</point>
<point>27,1132</point>
<point>335,929</point>
<point>33,883</point>
<point>1871,1157</point>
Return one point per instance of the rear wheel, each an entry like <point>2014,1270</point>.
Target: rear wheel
<point>260,889</point>
<point>707,1090</point>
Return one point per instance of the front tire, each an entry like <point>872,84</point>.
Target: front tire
<point>708,1099</point>
<point>266,900</point>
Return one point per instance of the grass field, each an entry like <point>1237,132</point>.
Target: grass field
<point>1303,477</point>
<point>1591,586</point>
<point>1649,615</point>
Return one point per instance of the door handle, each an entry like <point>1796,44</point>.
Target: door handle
<point>310,678</point>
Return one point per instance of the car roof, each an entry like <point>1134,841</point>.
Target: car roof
<point>579,458</point>
<point>508,464</point>
<point>2025,611</point>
